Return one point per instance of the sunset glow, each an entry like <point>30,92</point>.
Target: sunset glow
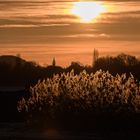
<point>70,69</point>
<point>69,30</point>
<point>88,11</point>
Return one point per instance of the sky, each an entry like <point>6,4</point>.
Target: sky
<point>40,30</point>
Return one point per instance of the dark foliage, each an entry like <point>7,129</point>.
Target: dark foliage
<point>15,71</point>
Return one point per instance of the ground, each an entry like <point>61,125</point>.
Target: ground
<point>19,131</point>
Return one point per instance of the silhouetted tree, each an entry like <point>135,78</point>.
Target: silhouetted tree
<point>28,73</point>
<point>127,60</point>
<point>76,66</point>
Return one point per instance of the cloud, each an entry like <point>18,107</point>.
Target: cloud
<point>58,27</point>
<point>17,26</point>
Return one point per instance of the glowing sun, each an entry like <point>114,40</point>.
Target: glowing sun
<point>87,11</point>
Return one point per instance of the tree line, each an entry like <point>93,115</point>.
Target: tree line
<point>15,71</point>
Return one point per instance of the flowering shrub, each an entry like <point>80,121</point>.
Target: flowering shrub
<point>90,93</point>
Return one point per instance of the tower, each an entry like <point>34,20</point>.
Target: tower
<point>53,62</point>
<point>95,56</point>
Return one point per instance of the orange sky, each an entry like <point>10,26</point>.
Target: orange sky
<point>42,29</point>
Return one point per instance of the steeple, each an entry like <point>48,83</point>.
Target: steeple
<point>95,56</point>
<point>53,62</point>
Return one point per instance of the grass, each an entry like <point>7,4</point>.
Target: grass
<point>84,101</point>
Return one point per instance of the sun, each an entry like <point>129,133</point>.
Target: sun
<point>87,11</point>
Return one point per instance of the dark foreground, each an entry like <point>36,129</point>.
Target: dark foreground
<point>19,131</point>
<point>126,128</point>
<point>10,129</point>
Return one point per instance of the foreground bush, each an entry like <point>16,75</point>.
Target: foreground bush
<point>69,95</point>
